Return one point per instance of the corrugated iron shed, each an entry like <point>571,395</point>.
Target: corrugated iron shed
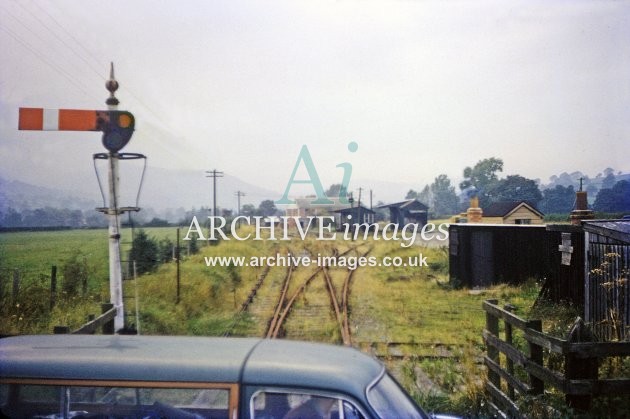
<point>614,229</point>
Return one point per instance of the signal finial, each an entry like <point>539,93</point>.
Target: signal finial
<point>112,86</point>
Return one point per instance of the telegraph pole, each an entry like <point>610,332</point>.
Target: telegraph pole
<point>371,208</point>
<point>359,209</point>
<point>214,174</point>
<point>238,197</point>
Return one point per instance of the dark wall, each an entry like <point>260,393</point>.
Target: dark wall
<point>565,282</point>
<point>482,255</point>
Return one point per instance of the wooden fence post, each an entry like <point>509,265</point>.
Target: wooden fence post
<point>177,261</point>
<point>536,356</point>
<point>580,368</point>
<point>108,328</point>
<point>84,285</point>
<point>508,338</point>
<point>492,326</point>
<point>53,286</point>
<point>16,285</point>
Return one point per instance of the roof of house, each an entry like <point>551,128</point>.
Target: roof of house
<point>355,209</point>
<point>308,203</point>
<point>505,208</point>
<point>408,204</point>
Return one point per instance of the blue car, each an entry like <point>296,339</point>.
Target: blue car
<point>115,376</point>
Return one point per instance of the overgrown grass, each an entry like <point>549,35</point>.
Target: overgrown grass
<point>438,328</point>
<point>26,258</point>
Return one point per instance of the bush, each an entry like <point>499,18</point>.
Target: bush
<point>166,252</point>
<point>75,274</point>
<point>144,251</point>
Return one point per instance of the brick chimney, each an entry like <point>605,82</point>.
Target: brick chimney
<point>581,211</point>
<point>474,214</point>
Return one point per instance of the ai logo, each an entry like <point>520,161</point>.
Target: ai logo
<point>313,178</point>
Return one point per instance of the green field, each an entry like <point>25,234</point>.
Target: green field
<point>407,316</point>
<point>30,256</point>
<point>33,253</point>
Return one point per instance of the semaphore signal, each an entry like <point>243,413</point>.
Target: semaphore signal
<point>117,128</point>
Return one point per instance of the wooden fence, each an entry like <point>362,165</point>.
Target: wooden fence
<point>514,374</point>
<point>105,321</point>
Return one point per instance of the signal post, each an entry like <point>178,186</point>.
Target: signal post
<point>117,127</point>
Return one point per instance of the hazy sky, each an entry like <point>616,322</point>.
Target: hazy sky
<point>422,87</point>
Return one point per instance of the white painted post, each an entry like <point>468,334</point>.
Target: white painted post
<point>115,268</point>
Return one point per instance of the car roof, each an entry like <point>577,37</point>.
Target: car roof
<point>188,359</point>
<point>300,364</point>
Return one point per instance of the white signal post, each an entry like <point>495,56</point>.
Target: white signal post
<point>115,268</point>
<point>117,127</point>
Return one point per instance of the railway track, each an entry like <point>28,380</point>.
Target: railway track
<point>279,288</point>
<point>340,306</point>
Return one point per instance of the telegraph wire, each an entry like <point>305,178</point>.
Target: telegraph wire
<point>52,65</point>
<point>85,58</point>
<point>69,34</point>
<point>125,88</point>
<point>95,60</point>
<point>55,35</point>
<point>91,62</point>
<point>38,53</point>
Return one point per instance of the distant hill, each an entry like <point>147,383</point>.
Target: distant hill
<point>20,196</point>
<point>169,194</point>
<point>165,193</point>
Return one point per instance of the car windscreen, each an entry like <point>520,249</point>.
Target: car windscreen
<point>390,401</point>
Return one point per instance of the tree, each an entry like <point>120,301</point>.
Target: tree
<point>248,210</point>
<point>267,208</point>
<point>558,200</point>
<point>75,273</point>
<point>482,177</point>
<point>615,199</point>
<point>11,218</point>
<point>425,196</point>
<point>157,222</point>
<point>144,251</point>
<point>411,194</point>
<point>445,200</point>
<point>333,191</point>
<point>515,188</point>
<point>609,181</point>
<point>166,250</point>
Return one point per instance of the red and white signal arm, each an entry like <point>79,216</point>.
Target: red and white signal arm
<point>117,126</point>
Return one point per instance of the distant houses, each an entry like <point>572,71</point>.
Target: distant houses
<point>354,215</point>
<point>304,208</point>
<point>409,211</point>
<point>505,212</point>
<point>343,213</point>
<point>512,213</point>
